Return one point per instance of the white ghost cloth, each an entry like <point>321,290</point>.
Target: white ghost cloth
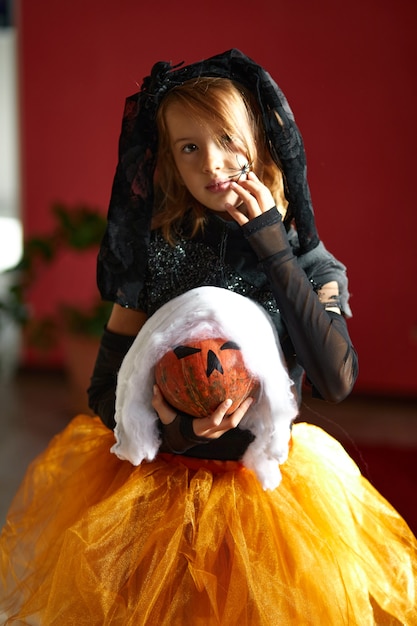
<point>202,313</point>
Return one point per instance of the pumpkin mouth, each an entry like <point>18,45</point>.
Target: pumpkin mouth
<point>196,377</point>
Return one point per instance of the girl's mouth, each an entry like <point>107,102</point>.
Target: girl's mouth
<point>218,186</point>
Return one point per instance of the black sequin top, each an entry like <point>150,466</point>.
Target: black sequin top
<point>220,257</point>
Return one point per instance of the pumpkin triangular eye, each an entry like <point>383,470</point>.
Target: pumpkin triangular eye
<point>230,345</point>
<point>182,351</point>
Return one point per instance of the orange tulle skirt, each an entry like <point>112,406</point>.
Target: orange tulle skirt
<point>92,540</point>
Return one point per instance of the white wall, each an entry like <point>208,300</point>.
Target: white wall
<point>10,223</point>
<point>10,230</point>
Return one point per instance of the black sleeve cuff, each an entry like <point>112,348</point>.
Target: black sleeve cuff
<point>273,216</point>
<point>179,436</point>
<point>267,237</point>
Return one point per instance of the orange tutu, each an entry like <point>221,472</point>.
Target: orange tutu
<point>92,540</point>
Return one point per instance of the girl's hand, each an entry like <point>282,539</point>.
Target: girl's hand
<point>256,199</point>
<point>166,412</point>
<point>211,427</point>
<point>215,425</point>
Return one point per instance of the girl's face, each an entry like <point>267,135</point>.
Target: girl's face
<point>207,162</point>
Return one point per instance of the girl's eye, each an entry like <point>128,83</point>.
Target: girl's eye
<point>230,143</point>
<point>226,140</point>
<point>190,147</point>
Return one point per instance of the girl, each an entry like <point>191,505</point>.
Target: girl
<point>230,206</point>
<point>199,528</point>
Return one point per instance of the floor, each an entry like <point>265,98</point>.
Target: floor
<point>35,405</point>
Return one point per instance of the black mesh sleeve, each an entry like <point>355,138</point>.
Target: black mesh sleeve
<point>102,390</point>
<point>320,338</point>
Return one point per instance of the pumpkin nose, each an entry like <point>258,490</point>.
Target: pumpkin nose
<point>213,363</point>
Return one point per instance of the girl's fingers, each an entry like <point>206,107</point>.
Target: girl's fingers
<point>235,418</point>
<point>258,191</point>
<point>204,426</point>
<point>256,197</point>
<point>236,214</point>
<point>165,412</point>
<point>218,423</point>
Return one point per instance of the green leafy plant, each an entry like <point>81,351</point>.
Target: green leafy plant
<point>78,228</point>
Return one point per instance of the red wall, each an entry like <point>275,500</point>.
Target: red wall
<point>349,72</point>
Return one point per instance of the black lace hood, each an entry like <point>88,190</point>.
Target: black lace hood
<point>124,248</point>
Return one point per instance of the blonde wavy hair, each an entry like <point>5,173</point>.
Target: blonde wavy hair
<point>229,108</point>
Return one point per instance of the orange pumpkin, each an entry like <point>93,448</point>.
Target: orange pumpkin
<point>195,378</point>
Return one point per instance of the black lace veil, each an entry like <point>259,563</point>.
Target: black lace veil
<point>123,253</point>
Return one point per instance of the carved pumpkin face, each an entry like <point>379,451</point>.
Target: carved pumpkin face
<point>195,378</point>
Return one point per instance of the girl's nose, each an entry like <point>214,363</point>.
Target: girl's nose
<point>213,158</point>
